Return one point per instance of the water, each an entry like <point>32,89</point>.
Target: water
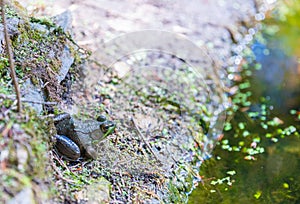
<point>279,78</point>
<point>271,176</point>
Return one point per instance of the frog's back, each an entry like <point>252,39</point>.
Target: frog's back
<point>87,132</point>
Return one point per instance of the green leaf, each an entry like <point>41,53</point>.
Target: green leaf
<point>285,185</point>
<point>231,173</point>
<point>257,195</point>
<point>241,125</point>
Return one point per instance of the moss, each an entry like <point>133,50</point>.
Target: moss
<point>43,21</point>
<point>3,64</point>
<point>34,46</point>
<point>25,140</point>
<point>10,13</point>
<point>175,196</point>
<point>38,46</point>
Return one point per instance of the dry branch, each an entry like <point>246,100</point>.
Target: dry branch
<point>10,57</point>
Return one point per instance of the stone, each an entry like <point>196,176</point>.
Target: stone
<point>98,192</point>
<point>66,62</point>
<point>64,20</point>
<point>33,93</point>
<point>25,196</point>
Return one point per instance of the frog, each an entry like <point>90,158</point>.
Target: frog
<point>76,138</point>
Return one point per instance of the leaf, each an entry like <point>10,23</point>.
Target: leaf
<point>231,173</point>
<point>257,194</point>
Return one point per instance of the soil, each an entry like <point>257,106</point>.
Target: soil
<point>203,22</point>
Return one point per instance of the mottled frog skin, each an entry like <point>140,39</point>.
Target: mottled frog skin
<point>77,138</point>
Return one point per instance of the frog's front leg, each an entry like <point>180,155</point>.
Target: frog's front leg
<point>60,117</point>
<point>67,148</point>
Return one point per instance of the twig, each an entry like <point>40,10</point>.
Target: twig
<point>39,102</point>
<point>142,137</point>
<point>11,97</point>
<point>10,58</point>
<point>148,192</point>
<point>6,129</point>
<point>59,174</point>
<point>124,161</point>
<point>55,156</point>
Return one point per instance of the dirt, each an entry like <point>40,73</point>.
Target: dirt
<point>203,22</point>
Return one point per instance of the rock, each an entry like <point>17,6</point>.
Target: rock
<point>24,197</point>
<point>39,27</point>
<point>66,62</point>
<point>97,192</point>
<point>122,69</point>
<point>12,29</point>
<point>40,50</point>
<point>64,20</point>
<point>22,157</point>
<point>33,93</point>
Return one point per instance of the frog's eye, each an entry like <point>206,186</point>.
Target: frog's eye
<point>106,126</point>
<point>101,118</point>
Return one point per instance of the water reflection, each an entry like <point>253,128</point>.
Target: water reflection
<point>279,77</point>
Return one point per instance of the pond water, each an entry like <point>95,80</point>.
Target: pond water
<point>258,160</point>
